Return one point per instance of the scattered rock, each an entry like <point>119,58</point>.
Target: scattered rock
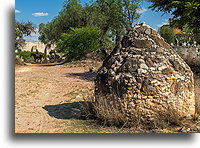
<point>185,130</point>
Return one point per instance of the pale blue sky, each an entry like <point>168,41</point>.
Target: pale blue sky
<point>43,11</point>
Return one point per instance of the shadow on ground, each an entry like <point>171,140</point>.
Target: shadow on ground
<point>51,64</point>
<point>46,63</point>
<point>75,110</point>
<point>88,76</point>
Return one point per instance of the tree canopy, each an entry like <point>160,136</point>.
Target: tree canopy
<point>183,11</point>
<point>112,17</point>
<point>175,36</point>
<point>22,30</point>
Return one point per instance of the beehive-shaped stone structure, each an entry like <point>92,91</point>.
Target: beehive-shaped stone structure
<point>143,78</point>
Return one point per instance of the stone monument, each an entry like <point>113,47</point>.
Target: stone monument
<point>143,79</point>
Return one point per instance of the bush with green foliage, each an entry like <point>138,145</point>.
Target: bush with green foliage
<point>79,41</point>
<point>167,33</point>
<point>25,55</point>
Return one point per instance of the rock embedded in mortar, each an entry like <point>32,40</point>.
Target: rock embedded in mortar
<point>143,78</point>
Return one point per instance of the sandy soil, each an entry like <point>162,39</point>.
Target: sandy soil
<point>41,91</point>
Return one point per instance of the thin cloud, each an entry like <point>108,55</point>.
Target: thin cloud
<point>164,22</point>
<point>141,10</point>
<point>17,11</point>
<point>40,14</point>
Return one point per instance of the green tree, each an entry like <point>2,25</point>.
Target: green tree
<point>167,33</point>
<point>119,16</point>
<point>187,37</point>
<point>22,30</point>
<point>79,41</point>
<point>113,17</point>
<point>130,8</point>
<point>183,11</point>
<point>72,15</point>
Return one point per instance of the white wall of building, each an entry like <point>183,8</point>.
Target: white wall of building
<point>39,45</point>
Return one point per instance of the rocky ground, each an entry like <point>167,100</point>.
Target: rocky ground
<point>48,100</point>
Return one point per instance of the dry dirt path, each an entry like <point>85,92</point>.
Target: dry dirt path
<point>40,92</point>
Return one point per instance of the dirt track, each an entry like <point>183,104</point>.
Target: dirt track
<point>42,91</point>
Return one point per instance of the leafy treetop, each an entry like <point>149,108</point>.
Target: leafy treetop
<point>21,30</point>
<point>183,11</point>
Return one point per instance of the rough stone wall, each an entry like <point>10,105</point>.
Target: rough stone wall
<point>40,46</point>
<point>189,54</point>
<point>144,78</point>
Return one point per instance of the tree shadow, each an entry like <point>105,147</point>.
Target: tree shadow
<point>88,76</point>
<point>46,64</point>
<point>51,64</point>
<point>76,110</point>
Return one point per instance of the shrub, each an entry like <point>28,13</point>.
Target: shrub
<point>79,41</point>
<point>167,33</point>
<point>25,55</point>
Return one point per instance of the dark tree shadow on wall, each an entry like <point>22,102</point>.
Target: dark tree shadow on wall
<point>76,110</point>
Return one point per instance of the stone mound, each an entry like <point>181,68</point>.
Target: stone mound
<point>143,79</point>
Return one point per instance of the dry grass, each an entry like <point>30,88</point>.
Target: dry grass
<point>113,118</point>
<point>109,114</point>
<point>112,115</point>
<point>165,122</point>
<point>18,61</point>
<point>89,65</point>
<point>197,86</point>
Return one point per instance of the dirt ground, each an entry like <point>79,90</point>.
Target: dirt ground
<point>39,88</point>
<point>48,100</point>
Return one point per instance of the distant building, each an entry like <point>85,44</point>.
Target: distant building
<point>175,29</point>
<point>36,45</point>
